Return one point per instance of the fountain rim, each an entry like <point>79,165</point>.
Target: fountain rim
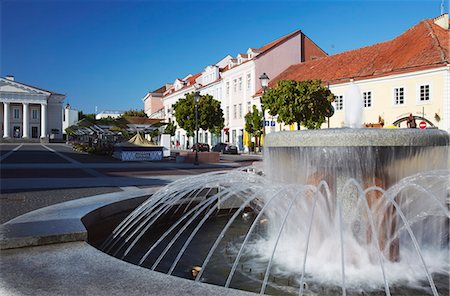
<point>358,137</point>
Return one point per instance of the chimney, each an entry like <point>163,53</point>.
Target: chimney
<point>442,21</point>
<point>10,77</point>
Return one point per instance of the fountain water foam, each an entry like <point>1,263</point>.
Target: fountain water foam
<point>332,211</point>
<point>339,218</point>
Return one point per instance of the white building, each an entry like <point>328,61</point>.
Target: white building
<point>241,79</point>
<point>211,83</point>
<point>108,113</point>
<point>70,117</point>
<point>179,88</point>
<point>29,112</point>
<point>409,74</point>
<point>234,82</point>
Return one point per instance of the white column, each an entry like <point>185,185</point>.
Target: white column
<point>43,120</point>
<point>6,123</point>
<point>26,119</point>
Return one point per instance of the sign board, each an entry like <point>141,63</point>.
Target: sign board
<point>141,155</point>
<point>329,111</point>
<point>423,125</point>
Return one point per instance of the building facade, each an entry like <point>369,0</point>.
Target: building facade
<point>70,117</point>
<point>409,74</point>
<point>233,82</point>
<point>108,113</point>
<point>153,102</point>
<point>30,112</point>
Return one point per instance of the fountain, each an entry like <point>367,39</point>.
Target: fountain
<point>337,211</point>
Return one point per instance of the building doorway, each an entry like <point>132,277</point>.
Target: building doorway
<point>16,131</point>
<point>34,132</point>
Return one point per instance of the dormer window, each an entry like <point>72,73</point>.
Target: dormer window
<point>250,55</point>
<point>178,85</point>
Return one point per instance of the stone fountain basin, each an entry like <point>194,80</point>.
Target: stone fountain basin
<point>44,252</point>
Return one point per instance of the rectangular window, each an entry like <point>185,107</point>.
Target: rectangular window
<point>228,88</point>
<point>367,96</point>
<point>249,81</point>
<point>399,96</point>
<point>424,93</point>
<point>240,110</point>
<point>249,106</point>
<point>228,113</point>
<point>240,83</point>
<point>235,85</point>
<point>16,112</point>
<point>339,100</point>
<point>234,111</point>
<point>34,114</point>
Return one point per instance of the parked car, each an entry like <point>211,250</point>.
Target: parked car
<point>225,148</point>
<point>202,147</point>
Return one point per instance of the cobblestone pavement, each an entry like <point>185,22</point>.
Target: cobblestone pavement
<point>14,204</point>
<point>35,175</point>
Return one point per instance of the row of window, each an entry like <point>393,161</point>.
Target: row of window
<point>237,111</point>
<point>34,113</point>
<point>399,97</point>
<point>238,83</point>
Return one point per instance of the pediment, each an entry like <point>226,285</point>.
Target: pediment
<point>7,86</point>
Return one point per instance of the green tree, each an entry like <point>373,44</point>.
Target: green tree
<point>303,102</point>
<point>210,115</point>
<point>81,115</point>
<point>154,134</point>
<point>170,129</point>
<point>134,113</point>
<point>254,123</point>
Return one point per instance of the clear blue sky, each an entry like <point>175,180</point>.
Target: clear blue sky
<point>111,53</point>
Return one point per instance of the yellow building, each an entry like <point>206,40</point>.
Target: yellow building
<point>409,74</point>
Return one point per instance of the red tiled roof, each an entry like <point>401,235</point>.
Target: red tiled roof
<point>425,45</point>
<point>160,90</point>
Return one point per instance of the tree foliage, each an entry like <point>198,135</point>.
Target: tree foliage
<point>170,129</point>
<point>88,116</point>
<point>210,114</point>
<point>154,133</point>
<point>303,102</point>
<point>254,122</point>
<point>134,113</point>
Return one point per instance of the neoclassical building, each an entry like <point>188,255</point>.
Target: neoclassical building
<point>29,112</point>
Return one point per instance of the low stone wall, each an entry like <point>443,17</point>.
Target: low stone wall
<point>203,157</point>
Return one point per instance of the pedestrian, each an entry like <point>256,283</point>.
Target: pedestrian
<point>187,144</point>
<point>178,144</point>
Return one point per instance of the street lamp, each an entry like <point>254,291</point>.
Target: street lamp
<point>196,100</point>
<point>264,83</point>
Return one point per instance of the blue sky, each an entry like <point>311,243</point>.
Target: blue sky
<point>109,54</point>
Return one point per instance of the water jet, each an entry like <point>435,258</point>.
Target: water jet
<point>345,211</point>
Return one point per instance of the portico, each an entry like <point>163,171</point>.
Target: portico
<point>25,111</point>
